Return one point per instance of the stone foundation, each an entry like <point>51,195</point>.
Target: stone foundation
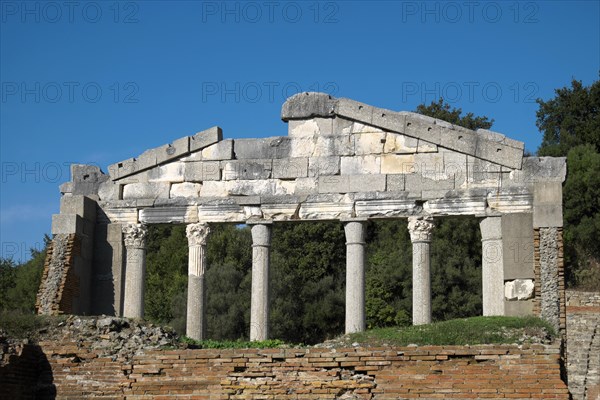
<point>485,371</point>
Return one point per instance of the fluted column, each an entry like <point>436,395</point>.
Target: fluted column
<point>259,303</point>
<point>355,276</point>
<point>134,237</point>
<point>196,296</point>
<point>420,229</point>
<point>492,269</point>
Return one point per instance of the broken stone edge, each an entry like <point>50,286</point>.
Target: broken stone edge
<point>484,144</point>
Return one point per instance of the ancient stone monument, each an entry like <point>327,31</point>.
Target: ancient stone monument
<point>341,160</point>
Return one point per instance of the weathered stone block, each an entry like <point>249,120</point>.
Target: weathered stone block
<point>324,207</point>
<point>398,164</point>
<point>80,205</point>
<point>67,224</point>
<point>354,110</point>
<point>171,172</point>
<point>517,242</point>
<point>385,208</point>
<point>267,187</point>
<point>519,289</point>
<point>222,150</point>
<point>214,189</point>
<point>169,215</point>
<point>305,186</point>
<point>422,127</point>
<point>369,143</point>
<point>201,171</point>
<point>174,150</point>
<point>547,204</point>
<point>340,145</point>
<point>146,190</point>
<point>358,165</point>
<point>351,183</point>
<point>247,169</point>
<point>499,153</point>
<point>460,140</point>
<point>185,189</point>
<point>205,138</point>
<point>389,120</point>
<point>342,126</point>
<point>511,200</point>
<point>121,215</point>
<point>221,212</point>
<point>400,144</point>
<point>395,183</point>
<point>426,147</point>
<point>290,168</point>
<point>324,166</point>
<point>307,105</point>
<point>275,147</point>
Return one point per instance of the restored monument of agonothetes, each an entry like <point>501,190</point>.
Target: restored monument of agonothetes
<point>341,160</point>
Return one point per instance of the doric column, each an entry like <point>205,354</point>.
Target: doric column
<point>134,237</point>
<point>196,296</point>
<point>355,276</point>
<point>492,269</point>
<point>420,229</point>
<point>259,303</point>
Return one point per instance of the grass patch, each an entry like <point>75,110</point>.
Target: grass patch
<point>231,344</point>
<point>19,325</point>
<point>476,330</point>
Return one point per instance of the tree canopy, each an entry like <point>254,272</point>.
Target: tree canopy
<point>570,123</point>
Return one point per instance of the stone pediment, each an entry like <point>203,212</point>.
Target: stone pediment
<point>340,159</point>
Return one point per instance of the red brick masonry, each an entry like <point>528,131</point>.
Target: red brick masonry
<point>484,371</point>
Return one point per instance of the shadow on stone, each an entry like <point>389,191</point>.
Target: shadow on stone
<point>26,374</point>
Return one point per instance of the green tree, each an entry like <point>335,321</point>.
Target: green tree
<point>570,119</point>
<point>19,283</point>
<point>570,123</point>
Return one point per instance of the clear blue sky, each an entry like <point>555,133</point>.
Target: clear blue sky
<point>98,82</point>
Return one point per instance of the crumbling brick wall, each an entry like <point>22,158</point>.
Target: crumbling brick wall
<point>485,371</point>
<point>60,284</point>
<point>583,348</point>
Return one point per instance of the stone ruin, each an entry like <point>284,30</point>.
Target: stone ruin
<point>341,160</point>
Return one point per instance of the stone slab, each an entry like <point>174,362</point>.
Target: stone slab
<point>200,171</point>
<point>222,150</point>
<point>79,205</point>
<point>274,147</point>
<point>290,168</point>
<point>517,242</point>
<point>547,204</point>
<point>205,138</point>
<point>247,169</point>
<point>169,215</point>
<point>351,183</point>
<point>67,224</point>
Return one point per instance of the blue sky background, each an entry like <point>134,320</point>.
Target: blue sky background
<point>98,82</point>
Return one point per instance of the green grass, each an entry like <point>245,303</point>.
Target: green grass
<point>476,330</point>
<point>231,344</point>
<point>19,325</point>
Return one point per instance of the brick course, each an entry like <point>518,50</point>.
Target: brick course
<point>485,371</point>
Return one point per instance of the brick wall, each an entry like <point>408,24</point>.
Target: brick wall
<point>583,344</point>
<point>59,285</point>
<point>375,373</point>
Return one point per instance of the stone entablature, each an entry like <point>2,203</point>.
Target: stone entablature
<point>341,159</point>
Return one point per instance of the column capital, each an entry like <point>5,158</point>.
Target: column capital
<point>420,228</point>
<point>261,235</point>
<point>197,234</point>
<point>134,235</point>
<point>355,232</point>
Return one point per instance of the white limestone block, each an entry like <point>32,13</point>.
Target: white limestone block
<point>519,289</point>
<point>185,189</point>
<point>359,165</point>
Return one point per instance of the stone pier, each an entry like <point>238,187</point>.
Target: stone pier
<point>196,297</point>
<point>420,235</point>
<point>134,237</point>
<point>259,304</point>
<point>355,276</point>
<point>492,269</point>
